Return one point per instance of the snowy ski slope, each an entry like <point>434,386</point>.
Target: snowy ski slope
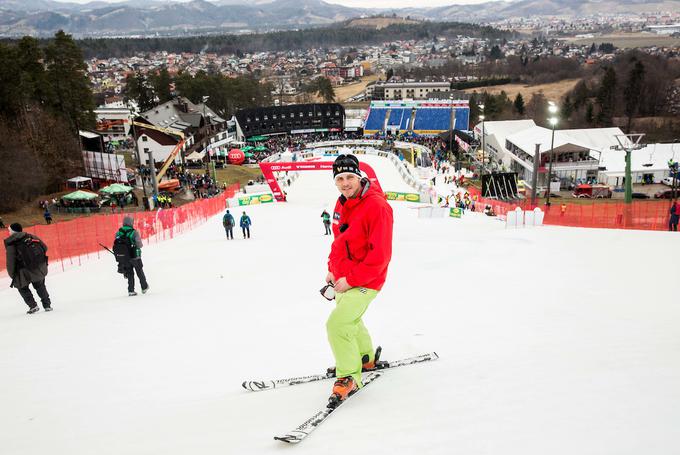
<point>551,341</point>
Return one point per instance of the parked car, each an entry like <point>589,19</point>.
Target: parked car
<point>640,196</point>
<point>666,194</point>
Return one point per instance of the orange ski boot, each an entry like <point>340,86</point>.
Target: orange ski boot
<point>342,388</point>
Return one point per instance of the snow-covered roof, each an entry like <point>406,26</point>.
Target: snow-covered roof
<point>525,134</point>
<point>503,128</point>
<point>587,139</point>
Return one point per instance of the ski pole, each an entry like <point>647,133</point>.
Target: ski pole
<point>106,248</point>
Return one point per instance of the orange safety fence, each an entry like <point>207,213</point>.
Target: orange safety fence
<point>69,242</point>
<point>645,215</point>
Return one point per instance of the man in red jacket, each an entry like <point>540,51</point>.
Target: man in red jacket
<point>357,267</point>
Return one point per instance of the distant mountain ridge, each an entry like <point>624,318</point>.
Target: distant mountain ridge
<point>149,17</point>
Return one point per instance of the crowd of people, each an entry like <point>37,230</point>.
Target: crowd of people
<point>284,143</point>
<point>201,185</point>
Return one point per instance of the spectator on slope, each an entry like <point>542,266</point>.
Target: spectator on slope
<point>127,247</point>
<point>675,216</point>
<point>357,268</point>
<point>48,216</point>
<point>228,223</point>
<point>245,225</point>
<point>26,261</point>
<point>326,222</point>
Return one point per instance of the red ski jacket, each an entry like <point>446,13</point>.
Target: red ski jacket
<point>362,248</point>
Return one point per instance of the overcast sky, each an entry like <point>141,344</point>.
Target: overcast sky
<point>364,3</point>
<point>401,3</point>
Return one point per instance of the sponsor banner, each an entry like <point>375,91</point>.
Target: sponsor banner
<point>253,199</point>
<point>455,212</point>
<point>315,130</point>
<point>268,170</point>
<point>359,152</point>
<point>417,104</point>
<point>426,132</point>
<point>396,196</point>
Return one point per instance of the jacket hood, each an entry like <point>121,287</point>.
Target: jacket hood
<point>14,237</point>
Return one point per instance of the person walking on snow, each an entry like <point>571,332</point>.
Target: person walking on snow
<point>357,268</point>
<point>127,248</point>
<point>675,216</point>
<point>228,223</point>
<point>245,225</point>
<point>326,222</point>
<point>27,265</point>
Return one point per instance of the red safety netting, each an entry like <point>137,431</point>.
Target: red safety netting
<point>70,242</point>
<point>646,215</point>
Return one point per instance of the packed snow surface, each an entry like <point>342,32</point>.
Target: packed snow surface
<point>551,341</point>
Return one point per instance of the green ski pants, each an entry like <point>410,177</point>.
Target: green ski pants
<point>347,334</point>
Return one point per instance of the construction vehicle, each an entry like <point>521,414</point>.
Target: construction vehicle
<point>173,153</point>
<point>108,124</point>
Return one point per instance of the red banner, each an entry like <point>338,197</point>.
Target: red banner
<point>268,170</point>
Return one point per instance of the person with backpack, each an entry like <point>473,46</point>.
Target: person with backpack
<point>326,222</point>
<point>27,265</point>
<point>245,225</point>
<point>127,247</point>
<point>228,223</point>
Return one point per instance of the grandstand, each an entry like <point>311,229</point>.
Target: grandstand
<point>296,118</point>
<point>427,118</point>
<point>375,121</point>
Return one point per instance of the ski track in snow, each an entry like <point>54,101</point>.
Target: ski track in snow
<point>551,340</point>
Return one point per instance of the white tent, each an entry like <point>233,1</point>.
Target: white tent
<point>80,182</point>
<point>196,156</point>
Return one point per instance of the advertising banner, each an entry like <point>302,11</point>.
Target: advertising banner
<point>253,199</point>
<point>396,196</point>
<point>107,166</point>
<point>269,168</point>
<point>455,212</point>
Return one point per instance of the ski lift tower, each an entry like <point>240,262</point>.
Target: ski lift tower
<point>628,143</point>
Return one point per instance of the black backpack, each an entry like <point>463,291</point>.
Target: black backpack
<point>30,252</point>
<point>122,249</point>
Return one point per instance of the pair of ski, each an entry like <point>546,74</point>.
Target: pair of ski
<point>301,432</point>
